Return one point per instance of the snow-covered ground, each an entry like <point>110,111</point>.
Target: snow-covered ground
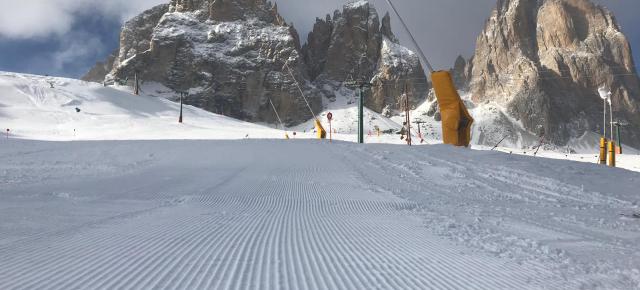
<point>255,213</point>
<point>31,109</point>
<point>303,214</point>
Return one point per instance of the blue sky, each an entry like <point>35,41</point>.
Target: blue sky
<point>91,38</point>
<point>67,37</point>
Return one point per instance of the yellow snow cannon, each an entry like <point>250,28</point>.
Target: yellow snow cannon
<point>612,153</point>
<point>603,151</point>
<point>456,120</point>
<point>322,133</point>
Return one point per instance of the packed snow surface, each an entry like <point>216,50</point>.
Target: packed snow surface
<point>253,213</point>
<point>304,214</point>
<point>31,109</point>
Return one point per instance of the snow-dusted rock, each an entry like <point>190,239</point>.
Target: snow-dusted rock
<point>229,55</point>
<point>101,69</point>
<point>544,61</point>
<point>399,72</point>
<point>355,45</point>
<point>135,37</point>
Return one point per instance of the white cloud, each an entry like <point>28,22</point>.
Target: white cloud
<point>440,37</point>
<point>27,19</point>
<point>78,48</point>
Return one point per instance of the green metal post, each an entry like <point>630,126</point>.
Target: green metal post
<point>361,117</point>
<point>360,86</point>
<point>619,136</point>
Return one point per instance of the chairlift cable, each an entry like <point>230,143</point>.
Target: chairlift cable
<point>300,89</point>
<point>277,115</point>
<point>415,43</point>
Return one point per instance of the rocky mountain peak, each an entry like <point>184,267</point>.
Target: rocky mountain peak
<point>544,60</point>
<point>355,44</point>
<point>188,5</point>
<point>386,28</point>
<point>230,56</point>
<point>461,72</point>
<point>317,47</point>
<point>101,69</point>
<point>230,10</point>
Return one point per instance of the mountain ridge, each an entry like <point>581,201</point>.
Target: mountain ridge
<point>232,56</point>
<point>544,61</point>
<point>542,85</point>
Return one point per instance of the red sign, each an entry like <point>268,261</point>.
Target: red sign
<point>330,116</point>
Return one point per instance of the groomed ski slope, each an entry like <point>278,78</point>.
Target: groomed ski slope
<point>32,110</point>
<point>260,214</point>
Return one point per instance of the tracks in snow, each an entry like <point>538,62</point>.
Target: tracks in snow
<point>532,216</point>
<point>307,223</point>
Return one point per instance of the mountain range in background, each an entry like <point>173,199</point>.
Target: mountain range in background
<point>536,68</point>
<point>541,63</point>
<point>234,56</point>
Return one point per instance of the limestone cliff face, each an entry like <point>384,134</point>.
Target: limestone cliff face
<point>399,72</point>
<point>230,10</point>
<point>101,69</point>
<point>316,50</point>
<point>355,44</point>
<point>230,56</point>
<point>461,73</point>
<point>544,61</point>
<point>135,37</point>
